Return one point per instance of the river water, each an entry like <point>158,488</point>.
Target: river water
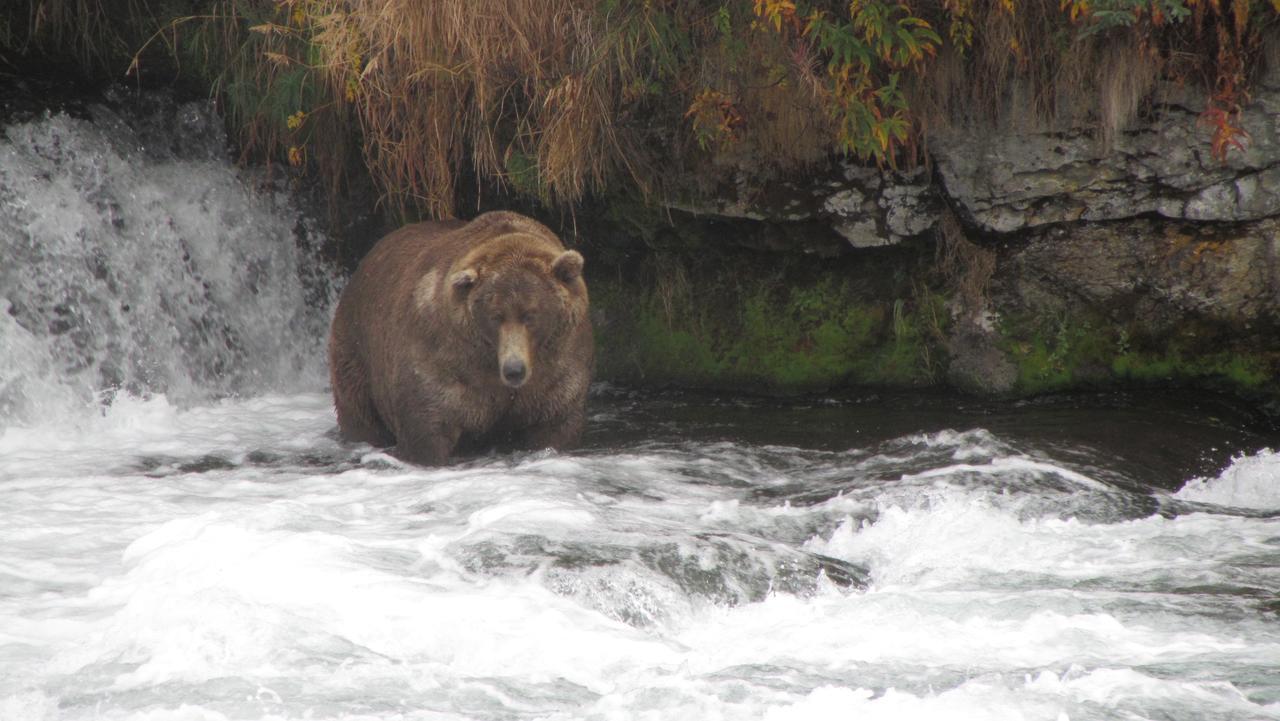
<point>183,536</point>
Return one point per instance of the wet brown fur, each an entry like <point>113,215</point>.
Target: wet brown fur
<point>414,345</point>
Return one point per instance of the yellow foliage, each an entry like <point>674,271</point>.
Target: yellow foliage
<point>776,11</point>
<point>715,117</point>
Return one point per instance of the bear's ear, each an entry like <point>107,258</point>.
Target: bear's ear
<point>568,267</point>
<point>463,280</point>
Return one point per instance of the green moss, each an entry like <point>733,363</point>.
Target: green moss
<point>1234,369</point>
<point>1144,367</point>
<point>1051,356</point>
<point>665,349</point>
<point>1247,372</point>
<point>1073,351</point>
<point>780,324</point>
<point>731,328</point>
<point>524,177</point>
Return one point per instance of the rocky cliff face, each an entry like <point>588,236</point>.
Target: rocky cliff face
<point>1005,182</point>
<point>1159,257</point>
<point>1141,258</point>
<point>1008,180</point>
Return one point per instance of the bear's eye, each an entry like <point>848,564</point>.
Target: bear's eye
<point>526,317</point>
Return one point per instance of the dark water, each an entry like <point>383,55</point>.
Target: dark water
<point>1155,438</point>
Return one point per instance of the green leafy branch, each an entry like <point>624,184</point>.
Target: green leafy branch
<point>865,55</point>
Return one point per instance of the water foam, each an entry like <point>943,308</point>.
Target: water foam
<point>155,435</point>
<point>1251,481</point>
<point>604,584</point>
<point>144,264</point>
<point>1075,693</point>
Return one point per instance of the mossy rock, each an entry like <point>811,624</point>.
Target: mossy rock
<point>767,323</point>
<point>1086,349</point>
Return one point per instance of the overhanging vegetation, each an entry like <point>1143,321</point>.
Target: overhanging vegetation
<point>560,99</point>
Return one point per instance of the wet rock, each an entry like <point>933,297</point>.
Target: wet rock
<point>1162,272</point>
<point>865,207</point>
<point>1006,180</point>
<point>978,365</point>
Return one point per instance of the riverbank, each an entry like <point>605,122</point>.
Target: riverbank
<point>1141,303</point>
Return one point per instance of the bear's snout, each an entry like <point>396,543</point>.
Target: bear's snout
<point>514,371</point>
<point>513,354</point>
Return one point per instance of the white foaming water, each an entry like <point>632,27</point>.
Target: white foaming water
<point>232,561</point>
<point>203,548</point>
<point>136,259</point>
<point>1251,481</point>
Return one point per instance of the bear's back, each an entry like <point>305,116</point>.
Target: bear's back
<point>439,243</point>
<point>415,245</point>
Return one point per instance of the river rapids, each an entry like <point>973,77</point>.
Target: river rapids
<point>183,536</point>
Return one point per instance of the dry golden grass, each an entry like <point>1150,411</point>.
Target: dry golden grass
<point>1029,68</point>
<point>434,84</point>
<point>774,88</point>
<point>1128,73</point>
<point>1008,80</point>
<point>966,267</point>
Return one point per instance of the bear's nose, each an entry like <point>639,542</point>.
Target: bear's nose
<point>514,372</point>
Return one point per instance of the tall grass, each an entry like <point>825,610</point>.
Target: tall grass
<point>89,31</point>
<point>1098,63</point>
<point>535,94</point>
<point>490,81</point>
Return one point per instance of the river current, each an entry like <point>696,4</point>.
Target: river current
<point>182,535</point>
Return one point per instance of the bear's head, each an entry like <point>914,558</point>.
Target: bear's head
<point>521,302</point>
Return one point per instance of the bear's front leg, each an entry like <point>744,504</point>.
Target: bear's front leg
<point>425,439</point>
<point>559,433</point>
<point>363,426</point>
<point>431,449</point>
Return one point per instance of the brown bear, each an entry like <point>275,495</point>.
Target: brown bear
<point>455,336</point>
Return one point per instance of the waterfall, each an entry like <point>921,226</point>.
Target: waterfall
<point>136,258</point>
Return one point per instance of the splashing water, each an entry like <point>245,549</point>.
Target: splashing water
<point>201,547</point>
<point>143,263</point>
<point>233,561</point>
<point>1250,482</point>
